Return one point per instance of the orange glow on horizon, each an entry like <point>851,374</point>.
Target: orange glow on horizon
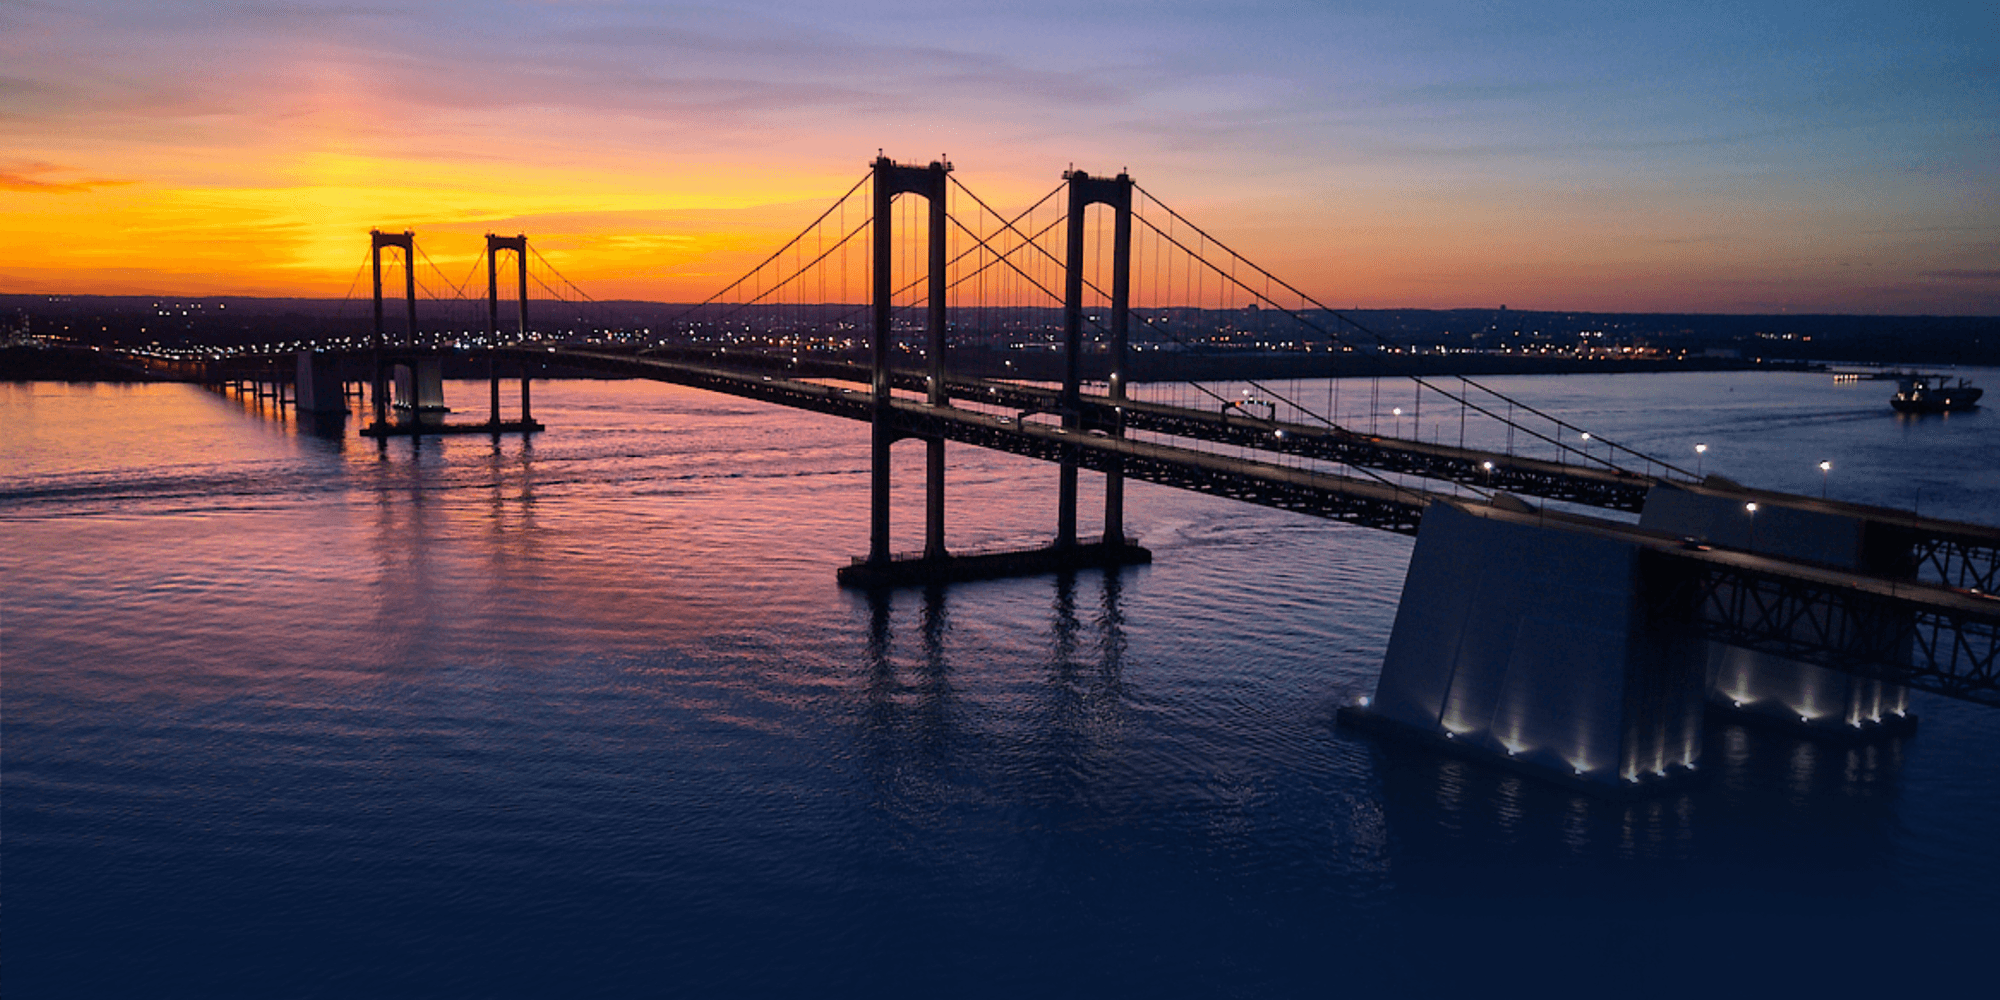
<point>678,231</point>
<point>656,152</point>
<point>658,235</point>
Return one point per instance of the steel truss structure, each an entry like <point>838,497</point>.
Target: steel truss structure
<point>1921,636</point>
<point>1343,498</point>
<point>1914,635</point>
<point>1607,488</point>
<point>1958,561</point>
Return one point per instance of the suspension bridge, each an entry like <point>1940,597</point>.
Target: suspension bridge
<point>1778,605</point>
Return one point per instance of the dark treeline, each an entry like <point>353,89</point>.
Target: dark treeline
<point>237,321</point>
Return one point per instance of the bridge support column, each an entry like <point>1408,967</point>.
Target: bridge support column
<point>379,400</point>
<point>890,180</point>
<point>937,565</point>
<point>934,499</point>
<point>1121,309</point>
<point>1066,502</point>
<point>880,441</point>
<point>1084,191</point>
<point>934,356</point>
<point>1535,646</point>
<point>494,244</point>
<point>407,242</point>
<point>318,385</point>
<point>1765,687</point>
<point>879,438</point>
<point>420,389</point>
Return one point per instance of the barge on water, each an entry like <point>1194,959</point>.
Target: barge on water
<point>1934,394</point>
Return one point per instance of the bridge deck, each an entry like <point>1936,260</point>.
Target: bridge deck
<point>1364,501</point>
<point>1921,635</point>
<point>1961,554</point>
<point>1486,470</point>
<point>1585,483</point>
<point>1925,635</point>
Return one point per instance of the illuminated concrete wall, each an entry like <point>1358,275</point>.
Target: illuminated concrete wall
<point>1772,685</point>
<point>1760,683</point>
<point>420,385</point>
<point>1792,532</point>
<point>1529,642</point>
<point>317,389</point>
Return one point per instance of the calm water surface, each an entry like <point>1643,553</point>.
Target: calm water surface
<point>290,716</point>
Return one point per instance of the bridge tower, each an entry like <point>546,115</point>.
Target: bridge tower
<point>407,242</point>
<point>892,179</point>
<point>1085,191</point>
<point>937,565</point>
<point>494,244</point>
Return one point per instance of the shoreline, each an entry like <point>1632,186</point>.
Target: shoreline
<point>79,364</point>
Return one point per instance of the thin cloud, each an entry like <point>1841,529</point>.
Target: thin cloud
<point>28,177</point>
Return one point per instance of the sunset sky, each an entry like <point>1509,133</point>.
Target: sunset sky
<point>1749,157</point>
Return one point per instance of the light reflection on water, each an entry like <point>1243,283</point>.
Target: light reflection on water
<point>588,714</point>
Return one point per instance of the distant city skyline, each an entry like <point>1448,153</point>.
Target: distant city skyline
<point>1764,158</point>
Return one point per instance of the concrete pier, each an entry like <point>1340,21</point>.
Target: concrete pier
<point>1532,646</point>
<point>1769,689</point>
<point>408,381</point>
<point>922,569</point>
<point>319,388</point>
<point>414,429</point>
<point>419,389</point>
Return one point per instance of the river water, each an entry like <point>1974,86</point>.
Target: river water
<point>287,715</point>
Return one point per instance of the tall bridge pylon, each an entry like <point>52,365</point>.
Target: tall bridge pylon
<point>1084,191</point>
<point>931,182</point>
<point>1780,602</point>
<point>407,242</point>
<point>928,182</point>
<point>494,244</point>
<point>1017,321</point>
<point>415,369</point>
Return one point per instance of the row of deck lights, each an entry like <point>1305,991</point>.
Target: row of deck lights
<point>1701,450</point>
<point>1751,506</point>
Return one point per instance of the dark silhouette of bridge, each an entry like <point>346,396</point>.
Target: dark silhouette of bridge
<point>1865,593</point>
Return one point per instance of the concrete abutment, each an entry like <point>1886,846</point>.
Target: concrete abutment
<point>1585,657</point>
<point>1763,687</point>
<point>1534,645</point>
